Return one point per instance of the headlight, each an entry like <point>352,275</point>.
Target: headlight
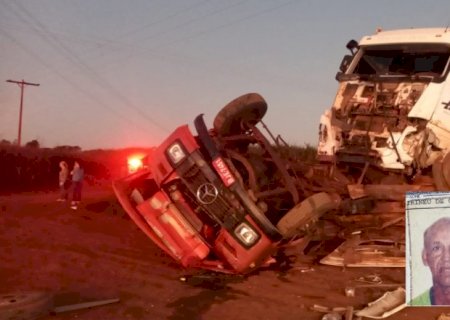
<point>246,234</point>
<point>176,153</point>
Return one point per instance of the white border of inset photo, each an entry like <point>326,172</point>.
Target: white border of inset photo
<point>422,210</point>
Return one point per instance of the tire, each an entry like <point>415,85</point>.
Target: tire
<point>446,168</point>
<point>303,213</point>
<point>239,114</point>
<point>27,305</point>
<point>438,176</point>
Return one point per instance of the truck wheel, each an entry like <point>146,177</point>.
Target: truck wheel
<point>31,305</point>
<point>446,168</point>
<point>438,176</point>
<point>239,114</point>
<point>303,213</point>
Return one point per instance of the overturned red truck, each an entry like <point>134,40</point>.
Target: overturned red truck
<point>224,198</point>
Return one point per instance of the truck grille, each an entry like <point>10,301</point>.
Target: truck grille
<point>220,209</point>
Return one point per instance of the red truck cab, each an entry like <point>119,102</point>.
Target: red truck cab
<point>201,207</point>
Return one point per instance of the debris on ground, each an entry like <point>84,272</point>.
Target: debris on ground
<point>33,305</point>
<point>25,305</point>
<point>320,308</point>
<point>368,281</point>
<point>336,313</point>
<point>211,280</point>
<point>350,290</point>
<point>332,316</point>
<point>385,306</point>
<point>359,252</point>
<point>84,305</point>
<point>349,313</point>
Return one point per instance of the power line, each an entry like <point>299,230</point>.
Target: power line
<point>186,23</point>
<point>225,25</point>
<point>168,17</point>
<point>151,50</point>
<point>75,59</point>
<point>67,53</point>
<point>63,49</point>
<point>62,76</point>
<point>207,31</point>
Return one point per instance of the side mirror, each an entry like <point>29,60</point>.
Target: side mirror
<point>352,45</point>
<point>345,63</point>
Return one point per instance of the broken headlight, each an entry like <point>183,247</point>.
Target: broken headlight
<point>246,234</point>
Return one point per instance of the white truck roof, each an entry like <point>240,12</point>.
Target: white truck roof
<point>424,35</point>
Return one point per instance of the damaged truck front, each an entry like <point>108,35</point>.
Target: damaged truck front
<point>392,110</point>
<point>223,199</point>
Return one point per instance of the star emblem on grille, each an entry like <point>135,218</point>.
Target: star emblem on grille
<point>207,193</point>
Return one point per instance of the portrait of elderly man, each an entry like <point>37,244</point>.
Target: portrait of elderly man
<point>436,256</point>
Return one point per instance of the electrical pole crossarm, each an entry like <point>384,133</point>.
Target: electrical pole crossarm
<point>24,83</point>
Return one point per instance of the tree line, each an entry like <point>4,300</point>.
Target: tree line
<point>31,168</point>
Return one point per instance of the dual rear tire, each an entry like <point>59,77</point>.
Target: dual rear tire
<point>299,218</point>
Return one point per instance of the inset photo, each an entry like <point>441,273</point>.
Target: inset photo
<point>428,249</point>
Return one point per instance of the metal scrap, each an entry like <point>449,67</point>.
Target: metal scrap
<point>32,305</point>
<point>358,252</point>
<point>388,304</point>
<point>335,313</point>
<point>385,191</point>
<point>84,305</point>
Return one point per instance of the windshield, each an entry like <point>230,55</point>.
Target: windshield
<point>404,60</point>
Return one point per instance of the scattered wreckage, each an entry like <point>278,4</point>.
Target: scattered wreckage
<point>389,303</point>
<point>227,198</point>
<point>388,129</point>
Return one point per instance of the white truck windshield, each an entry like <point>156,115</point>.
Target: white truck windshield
<point>403,60</point>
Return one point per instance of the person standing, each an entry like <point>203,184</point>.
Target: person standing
<point>64,181</point>
<point>77,181</point>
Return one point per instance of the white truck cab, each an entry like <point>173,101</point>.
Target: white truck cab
<point>392,108</point>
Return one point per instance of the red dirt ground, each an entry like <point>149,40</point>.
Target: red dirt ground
<point>98,253</point>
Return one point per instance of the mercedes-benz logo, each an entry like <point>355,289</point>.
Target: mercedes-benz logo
<point>207,193</point>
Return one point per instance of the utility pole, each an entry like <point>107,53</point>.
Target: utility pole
<point>22,85</point>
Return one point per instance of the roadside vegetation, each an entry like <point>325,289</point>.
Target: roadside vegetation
<point>296,153</point>
<point>35,168</point>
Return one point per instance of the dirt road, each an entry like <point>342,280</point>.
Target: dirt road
<point>98,253</point>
